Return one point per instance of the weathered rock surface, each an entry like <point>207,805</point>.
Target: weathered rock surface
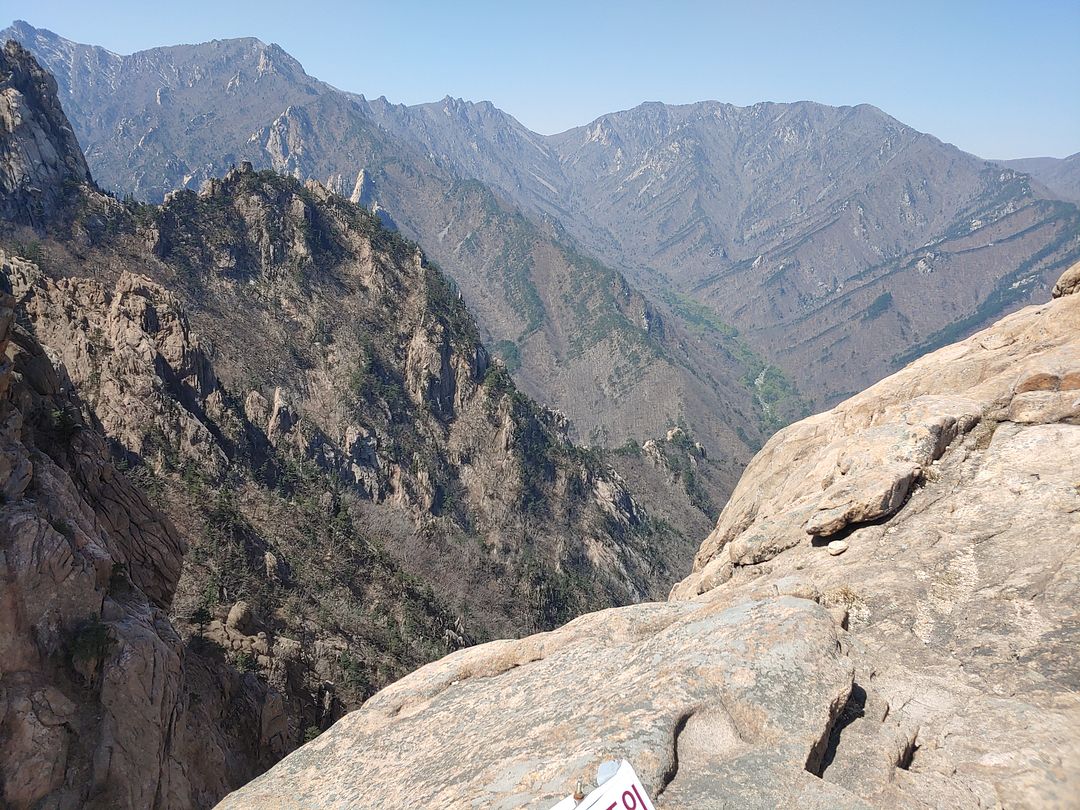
<point>960,588</point>
<point>131,352</point>
<point>931,664</point>
<point>101,704</point>
<point>40,158</point>
<point>1069,282</point>
<point>677,688</point>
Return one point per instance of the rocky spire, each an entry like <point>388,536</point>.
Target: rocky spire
<point>40,158</point>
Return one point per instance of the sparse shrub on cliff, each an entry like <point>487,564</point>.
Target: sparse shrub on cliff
<point>90,642</point>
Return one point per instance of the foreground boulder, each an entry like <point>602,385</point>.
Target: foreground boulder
<point>931,663</point>
<point>1069,282</point>
<point>681,689</point>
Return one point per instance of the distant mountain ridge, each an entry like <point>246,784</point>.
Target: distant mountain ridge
<point>832,244</point>
<point>576,334</point>
<point>801,224</point>
<point>1060,175</point>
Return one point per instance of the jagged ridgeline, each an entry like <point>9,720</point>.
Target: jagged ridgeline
<point>270,381</point>
<point>358,361</point>
<point>575,333</point>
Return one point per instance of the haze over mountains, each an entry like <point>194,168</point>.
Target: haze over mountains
<point>836,243</point>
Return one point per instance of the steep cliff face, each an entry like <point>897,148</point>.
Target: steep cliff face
<point>369,368</point>
<point>258,464</point>
<point>102,703</point>
<point>885,616</point>
<point>38,150</point>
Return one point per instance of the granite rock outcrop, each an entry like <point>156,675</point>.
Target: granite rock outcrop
<point>102,704</point>
<point>40,158</point>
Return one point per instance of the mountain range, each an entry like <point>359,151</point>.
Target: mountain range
<point>838,241</point>
<point>257,460</point>
<point>577,336</point>
<point>723,269</point>
<point>255,464</point>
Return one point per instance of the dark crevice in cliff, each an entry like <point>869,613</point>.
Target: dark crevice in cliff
<point>673,770</point>
<point>853,709</point>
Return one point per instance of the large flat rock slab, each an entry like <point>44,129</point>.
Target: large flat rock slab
<point>671,687</point>
<point>954,488</point>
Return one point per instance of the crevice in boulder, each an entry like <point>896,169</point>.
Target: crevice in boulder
<point>907,754</point>
<point>853,709</point>
<point>822,540</point>
<point>673,769</point>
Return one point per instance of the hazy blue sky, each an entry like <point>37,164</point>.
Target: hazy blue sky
<point>1000,79</point>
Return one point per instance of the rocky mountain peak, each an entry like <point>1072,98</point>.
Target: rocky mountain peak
<point>23,29</point>
<point>272,58</point>
<point>41,39</point>
<point>40,159</point>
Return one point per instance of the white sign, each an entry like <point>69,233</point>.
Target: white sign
<point>623,791</point>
